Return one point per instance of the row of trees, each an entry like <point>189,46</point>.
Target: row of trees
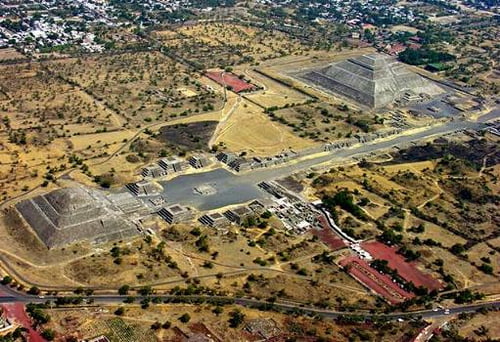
<point>425,56</point>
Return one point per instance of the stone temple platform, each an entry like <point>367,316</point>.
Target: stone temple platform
<point>374,80</point>
<point>68,215</point>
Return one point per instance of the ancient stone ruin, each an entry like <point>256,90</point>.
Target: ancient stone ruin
<point>374,80</point>
<point>68,215</point>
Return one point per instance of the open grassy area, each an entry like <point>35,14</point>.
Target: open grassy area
<point>139,87</point>
<point>10,54</point>
<point>440,209</point>
<point>250,130</point>
<point>205,321</point>
<point>224,44</point>
<point>87,109</point>
<point>471,328</point>
<point>274,93</point>
<point>325,122</point>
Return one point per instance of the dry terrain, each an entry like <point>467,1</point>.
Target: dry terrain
<point>206,320</point>
<point>224,44</point>
<point>429,203</point>
<point>249,129</point>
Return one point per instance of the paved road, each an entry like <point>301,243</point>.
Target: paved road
<point>240,188</point>
<point>8,295</point>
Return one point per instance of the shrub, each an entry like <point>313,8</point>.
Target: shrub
<point>185,318</point>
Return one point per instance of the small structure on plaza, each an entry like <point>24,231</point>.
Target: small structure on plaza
<point>144,188</point>
<point>172,164</point>
<point>214,220</point>
<point>176,213</point>
<point>198,161</point>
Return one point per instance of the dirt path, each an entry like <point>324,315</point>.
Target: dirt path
<point>480,172</point>
<point>267,269</point>
<point>436,196</point>
<point>219,130</point>
<point>31,264</point>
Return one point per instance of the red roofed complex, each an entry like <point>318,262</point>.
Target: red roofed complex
<point>228,79</point>
<point>395,49</point>
<point>382,284</point>
<point>405,269</point>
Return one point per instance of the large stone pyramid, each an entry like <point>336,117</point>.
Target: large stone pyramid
<point>67,215</point>
<point>374,80</point>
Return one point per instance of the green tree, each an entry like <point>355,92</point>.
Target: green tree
<point>34,290</point>
<point>6,280</point>
<point>218,310</point>
<point>123,290</point>
<point>48,334</point>
<point>236,318</point>
<point>129,300</point>
<point>488,269</point>
<point>185,318</point>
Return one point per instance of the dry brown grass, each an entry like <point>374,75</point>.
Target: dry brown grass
<point>221,40</point>
<point>248,129</point>
<point>462,271</point>
<point>489,320</point>
<point>139,87</point>
<point>433,232</point>
<point>481,250</point>
<point>9,54</point>
<point>274,93</point>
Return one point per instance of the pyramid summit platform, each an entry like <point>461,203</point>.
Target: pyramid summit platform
<point>374,80</point>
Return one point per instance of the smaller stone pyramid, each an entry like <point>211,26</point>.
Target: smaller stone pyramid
<point>67,215</point>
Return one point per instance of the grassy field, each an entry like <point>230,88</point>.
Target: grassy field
<point>91,108</point>
<point>434,232</point>
<point>155,87</point>
<point>421,202</point>
<point>10,54</point>
<point>462,271</point>
<point>274,93</point>
<point>483,254</point>
<point>224,44</point>
<point>325,122</point>
<point>471,328</point>
<point>135,324</point>
<point>250,130</point>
